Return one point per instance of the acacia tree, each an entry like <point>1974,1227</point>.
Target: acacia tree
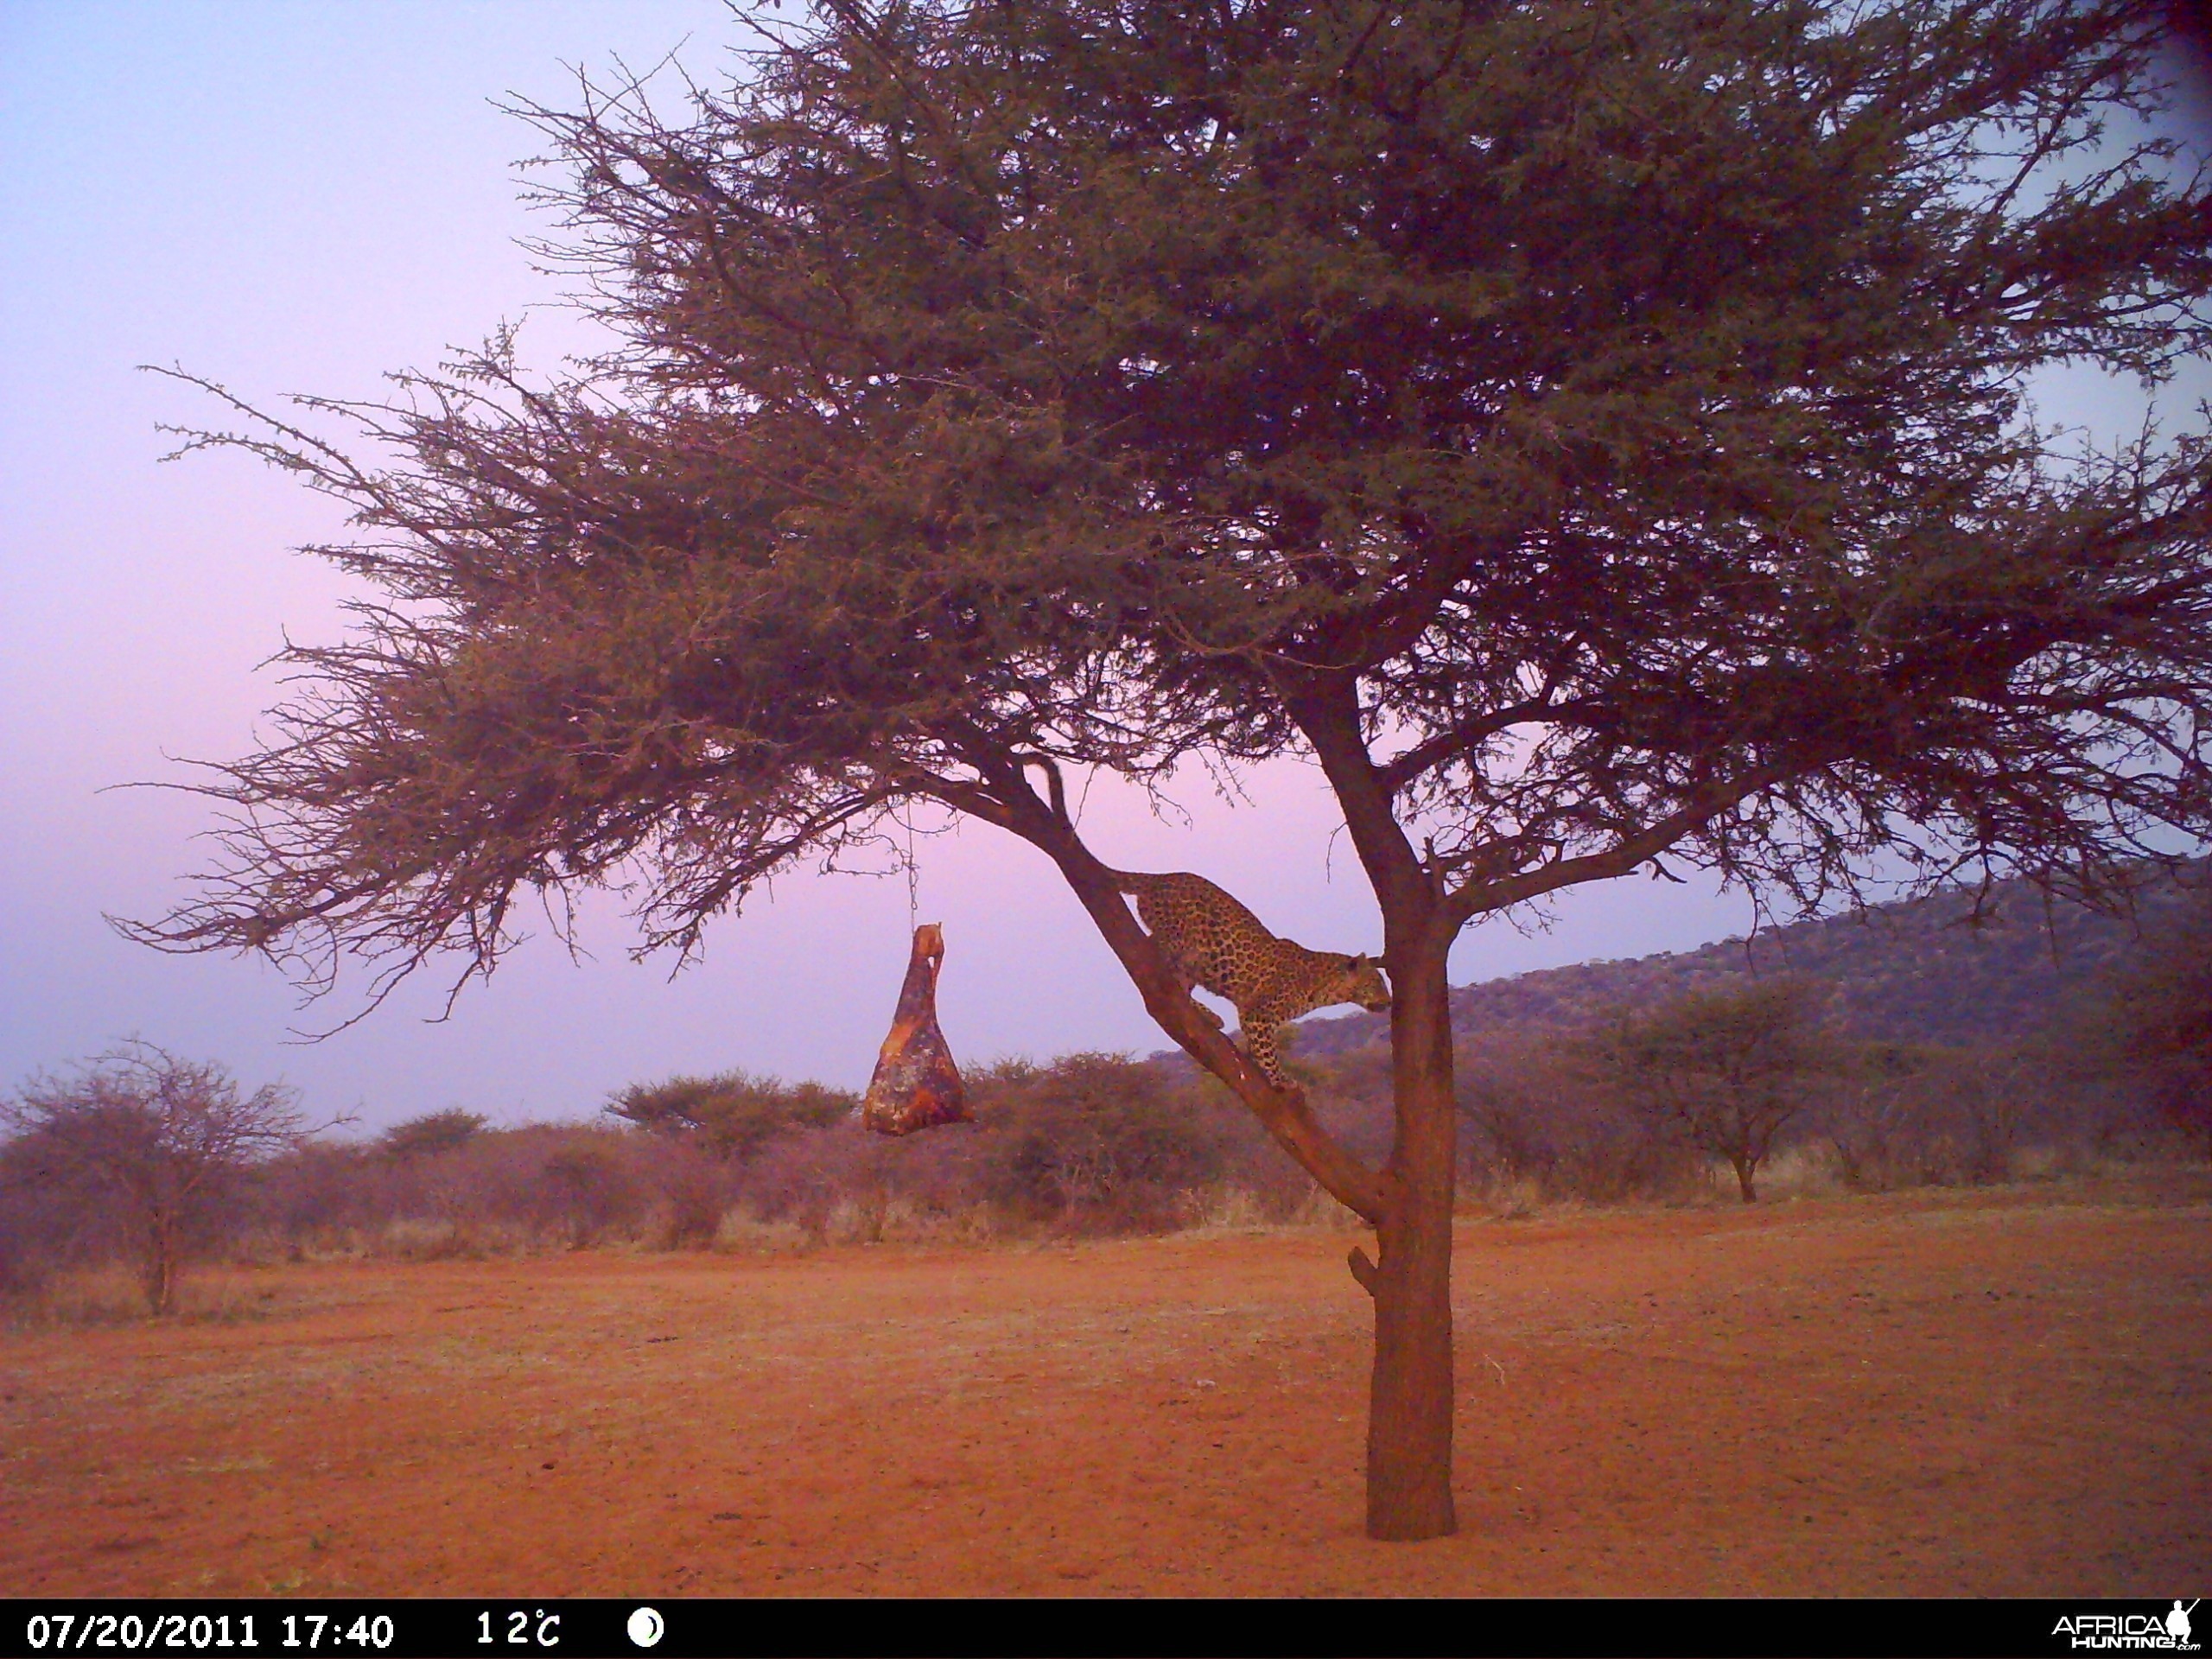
<point>1722,1070</point>
<point>1589,435</point>
<point>163,1139</point>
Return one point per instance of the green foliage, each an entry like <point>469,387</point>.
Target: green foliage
<point>432,1133</point>
<point>733,1114</point>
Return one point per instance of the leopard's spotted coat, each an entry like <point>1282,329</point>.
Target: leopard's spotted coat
<point>1210,939</point>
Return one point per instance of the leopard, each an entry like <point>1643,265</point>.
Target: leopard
<point>1210,940</point>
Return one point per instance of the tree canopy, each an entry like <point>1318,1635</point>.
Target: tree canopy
<point>1615,415</point>
<point>1589,433</point>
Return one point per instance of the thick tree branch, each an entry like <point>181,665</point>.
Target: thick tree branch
<point>1326,709</point>
<point>1481,895</point>
<point>1463,740</point>
<point>1006,800</point>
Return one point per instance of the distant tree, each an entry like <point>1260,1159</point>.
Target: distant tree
<point>733,1114</point>
<point>2160,1015</point>
<point>1591,435</point>
<point>1722,1070</point>
<point>162,1140</point>
<point>432,1133</point>
<point>1995,1093</point>
<point>1875,1115</point>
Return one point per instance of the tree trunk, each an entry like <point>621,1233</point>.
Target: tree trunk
<point>1744,1169</point>
<point>159,1278</point>
<point>1411,1397</point>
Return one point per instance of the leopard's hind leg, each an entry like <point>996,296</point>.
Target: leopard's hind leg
<point>1260,1042</point>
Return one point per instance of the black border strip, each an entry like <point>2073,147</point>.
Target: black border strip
<point>593,1628</point>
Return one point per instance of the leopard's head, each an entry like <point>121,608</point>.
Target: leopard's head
<point>1365,984</point>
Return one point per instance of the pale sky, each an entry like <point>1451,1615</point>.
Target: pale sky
<point>300,198</point>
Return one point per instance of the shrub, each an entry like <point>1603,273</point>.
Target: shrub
<point>1543,1117</point>
<point>2160,1017</point>
<point>433,1132</point>
<point>733,1114</point>
<point>586,1193</point>
<point>1094,1142</point>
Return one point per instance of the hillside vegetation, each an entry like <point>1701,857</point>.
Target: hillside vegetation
<point>1938,971</point>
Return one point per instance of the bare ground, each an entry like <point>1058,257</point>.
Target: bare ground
<point>1999,1393</point>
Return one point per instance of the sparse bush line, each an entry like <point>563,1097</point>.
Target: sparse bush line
<point>1089,1145</point>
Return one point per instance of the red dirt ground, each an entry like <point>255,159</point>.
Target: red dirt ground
<point>2002,1392</point>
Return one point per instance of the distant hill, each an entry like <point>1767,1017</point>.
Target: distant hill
<point>1916,972</point>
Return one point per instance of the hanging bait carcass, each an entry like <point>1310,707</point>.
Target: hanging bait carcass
<point>916,1085</point>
